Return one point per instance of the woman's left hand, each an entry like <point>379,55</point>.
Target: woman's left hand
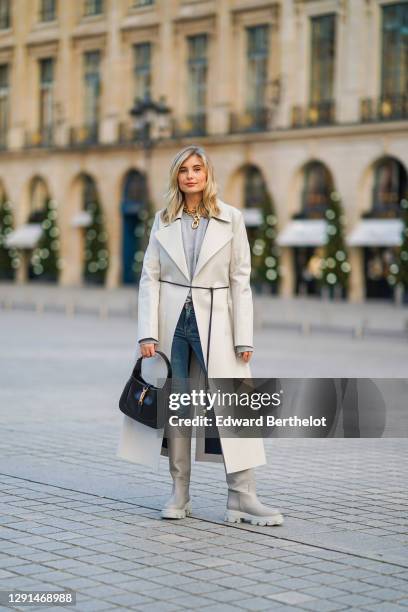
<point>246,356</point>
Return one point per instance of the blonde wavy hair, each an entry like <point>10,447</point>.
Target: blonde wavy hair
<point>174,196</point>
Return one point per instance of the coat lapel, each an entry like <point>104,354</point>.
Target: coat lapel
<point>171,239</point>
<point>218,233</point>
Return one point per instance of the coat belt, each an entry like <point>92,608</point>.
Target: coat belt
<point>211,289</point>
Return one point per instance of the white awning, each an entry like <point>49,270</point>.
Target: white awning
<point>24,237</point>
<point>252,217</point>
<point>81,219</point>
<point>376,232</point>
<point>303,232</point>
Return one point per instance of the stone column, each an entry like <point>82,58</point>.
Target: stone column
<point>111,95</point>
<point>18,98</point>
<point>357,281</point>
<point>287,283</point>
<point>219,118</point>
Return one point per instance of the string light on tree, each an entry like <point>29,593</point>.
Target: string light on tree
<point>9,257</point>
<point>398,271</point>
<point>142,233</point>
<point>334,267</point>
<point>264,251</point>
<point>45,257</point>
<point>96,248</point>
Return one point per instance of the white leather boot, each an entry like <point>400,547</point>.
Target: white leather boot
<point>243,503</point>
<point>179,451</point>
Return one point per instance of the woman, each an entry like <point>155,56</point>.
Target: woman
<point>195,300</point>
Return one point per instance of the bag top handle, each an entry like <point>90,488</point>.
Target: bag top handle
<point>137,370</point>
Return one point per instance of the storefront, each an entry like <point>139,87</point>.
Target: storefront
<point>379,239</point>
<point>379,231</point>
<point>306,232</point>
<point>306,237</point>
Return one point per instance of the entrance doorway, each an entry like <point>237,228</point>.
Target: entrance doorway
<point>307,266</point>
<point>134,215</point>
<point>377,262</point>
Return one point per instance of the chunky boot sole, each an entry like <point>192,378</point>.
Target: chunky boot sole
<point>176,513</point>
<point>235,516</point>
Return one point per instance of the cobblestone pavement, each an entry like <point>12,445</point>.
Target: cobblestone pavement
<point>74,516</point>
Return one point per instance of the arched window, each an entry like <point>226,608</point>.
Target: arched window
<point>317,187</point>
<point>38,200</point>
<point>390,187</point>
<point>89,192</point>
<point>254,188</point>
<point>135,212</point>
<point>135,190</point>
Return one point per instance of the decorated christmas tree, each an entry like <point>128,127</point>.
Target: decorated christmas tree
<point>399,269</point>
<point>96,246</point>
<point>142,234</point>
<point>264,251</point>
<point>45,260</point>
<point>335,269</point>
<point>9,258</point>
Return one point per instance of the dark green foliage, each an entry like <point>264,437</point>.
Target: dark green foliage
<point>142,232</point>
<point>45,261</point>
<point>399,269</point>
<point>9,259</point>
<point>334,265</point>
<point>264,251</point>
<point>96,260</point>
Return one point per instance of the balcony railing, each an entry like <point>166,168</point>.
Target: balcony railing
<point>43,137</point>
<point>320,113</point>
<point>138,3</point>
<point>84,135</point>
<point>251,120</point>
<point>191,125</point>
<point>385,108</point>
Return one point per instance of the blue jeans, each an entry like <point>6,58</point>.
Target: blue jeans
<point>186,339</point>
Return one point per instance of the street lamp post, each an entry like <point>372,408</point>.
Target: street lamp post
<point>150,125</point>
<point>150,121</point>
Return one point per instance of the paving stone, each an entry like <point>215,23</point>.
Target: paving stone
<point>92,522</point>
<point>291,597</point>
<point>320,605</point>
<point>386,607</point>
<point>255,603</point>
<point>225,595</point>
<point>356,600</point>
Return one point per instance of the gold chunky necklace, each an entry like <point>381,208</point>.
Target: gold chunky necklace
<point>196,216</point>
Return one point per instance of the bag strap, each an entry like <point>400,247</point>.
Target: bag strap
<point>137,370</point>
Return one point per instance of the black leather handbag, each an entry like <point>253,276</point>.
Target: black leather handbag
<point>144,402</point>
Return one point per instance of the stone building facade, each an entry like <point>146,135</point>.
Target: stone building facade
<point>305,96</point>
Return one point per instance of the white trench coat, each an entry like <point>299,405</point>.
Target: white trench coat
<point>224,259</point>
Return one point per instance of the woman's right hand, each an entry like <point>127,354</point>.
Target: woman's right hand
<point>148,349</point>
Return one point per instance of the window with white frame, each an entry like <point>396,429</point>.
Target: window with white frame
<point>4,102</point>
<point>394,77</point>
<point>93,7</point>
<point>92,86</point>
<point>197,66</point>
<point>257,66</point>
<point>322,60</point>
<point>48,10</point>
<point>46,95</point>
<point>5,14</point>
<point>142,70</point>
